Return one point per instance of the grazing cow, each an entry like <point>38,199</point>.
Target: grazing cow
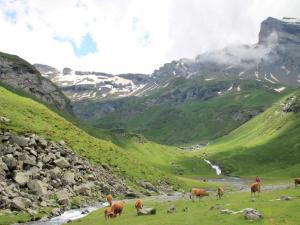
<point>114,210</point>
<point>139,204</point>
<point>220,192</point>
<point>198,193</point>
<point>108,213</point>
<point>297,181</point>
<point>117,208</point>
<point>255,188</point>
<point>109,199</point>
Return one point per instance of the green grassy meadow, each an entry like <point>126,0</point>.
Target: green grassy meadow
<point>274,212</point>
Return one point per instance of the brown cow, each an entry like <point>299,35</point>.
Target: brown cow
<point>109,199</point>
<point>297,181</point>
<point>198,192</point>
<point>139,204</point>
<point>117,208</point>
<point>255,188</point>
<point>114,210</point>
<point>220,192</point>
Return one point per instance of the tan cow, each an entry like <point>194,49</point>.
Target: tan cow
<point>108,213</point>
<point>198,193</point>
<point>109,199</point>
<point>139,204</point>
<point>220,192</point>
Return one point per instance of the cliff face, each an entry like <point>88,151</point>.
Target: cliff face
<point>20,75</point>
<point>285,31</point>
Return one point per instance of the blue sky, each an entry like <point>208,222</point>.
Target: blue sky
<point>86,46</point>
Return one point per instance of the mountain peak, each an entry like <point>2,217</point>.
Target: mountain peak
<point>286,30</point>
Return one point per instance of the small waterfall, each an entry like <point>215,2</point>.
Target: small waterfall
<point>215,167</point>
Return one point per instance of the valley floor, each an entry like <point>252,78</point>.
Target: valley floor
<point>274,210</point>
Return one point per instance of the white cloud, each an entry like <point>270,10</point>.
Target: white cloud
<point>131,35</point>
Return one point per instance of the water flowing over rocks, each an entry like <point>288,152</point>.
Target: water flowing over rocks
<point>36,173</point>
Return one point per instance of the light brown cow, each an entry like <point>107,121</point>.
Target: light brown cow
<point>198,193</point>
<point>109,199</point>
<point>139,204</point>
<point>108,213</point>
<point>255,188</point>
<point>220,192</point>
<point>297,181</point>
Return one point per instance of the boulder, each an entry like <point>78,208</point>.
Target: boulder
<point>55,172</point>
<point>19,140</point>
<point>20,203</point>
<point>62,163</point>
<point>17,204</point>
<point>146,211</point>
<point>10,161</point>
<point>227,211</point>
<point>2,174</point>
<point>148,185</point>
<point>83,189</point>
<point>172,209</point>
<point>285,198</point>
<point>3,165</point>
<point>252,214</point>
<point>38,187</point>
<point>68,178</point>
<point>22,178</point>
<point>56,212</point>
<point>63,197</point>
<point>43,143</point>
<point>131,194</point>
<point>4,120</point>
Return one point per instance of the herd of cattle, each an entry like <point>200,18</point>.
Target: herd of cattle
<point>116,208</point>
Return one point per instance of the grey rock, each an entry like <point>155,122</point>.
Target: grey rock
<point>20,141</point>
<point>56,212</point>
<point>38,187</point>
<point>252,214</point>
<point>20,203</point>
<point>43,143</point>
<point>172,209</point>
<point>10,161</point>
<point>68,178</point>
<point>22,178</point>
<point>83,189</point>
<point>227,211</point>
<point>146,211</point>
<point>4,120</point>
<point>62,163</point>
<point>285,198</point>
<point>55,172</point>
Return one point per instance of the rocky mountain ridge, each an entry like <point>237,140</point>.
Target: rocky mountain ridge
<point>274,59</point>
<point>19,75</point>
<point>79,85</point>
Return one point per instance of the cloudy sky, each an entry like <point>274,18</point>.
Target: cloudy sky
<point>119,36</point>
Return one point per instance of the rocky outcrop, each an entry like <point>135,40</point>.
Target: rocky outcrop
<point>292,104</point>
<point>19,75</point>
<point>35,173</point>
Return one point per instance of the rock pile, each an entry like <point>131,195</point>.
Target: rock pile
<point>37,173</point>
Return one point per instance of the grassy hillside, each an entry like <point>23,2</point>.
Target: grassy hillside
<point>29,116</point>
<point>174,116</point>
<point>269,144</point>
